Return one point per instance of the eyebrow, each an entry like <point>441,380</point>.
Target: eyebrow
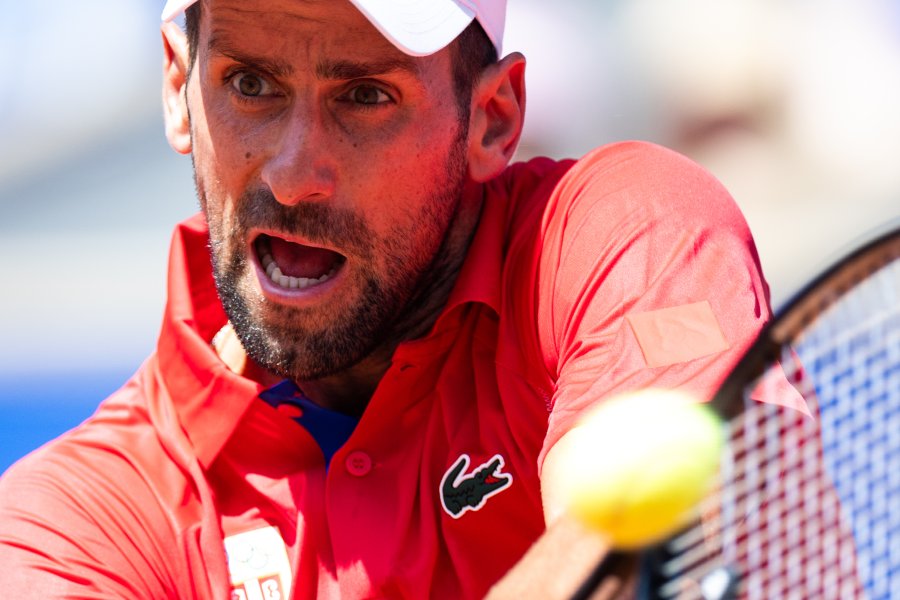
<point>350,69</point>
<point>218,45</point>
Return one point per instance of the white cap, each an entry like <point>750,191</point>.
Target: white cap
<point>417,27</point>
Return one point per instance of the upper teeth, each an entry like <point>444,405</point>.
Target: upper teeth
<point>286,281</point>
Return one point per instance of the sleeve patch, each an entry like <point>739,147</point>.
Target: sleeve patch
<point>677,334</point>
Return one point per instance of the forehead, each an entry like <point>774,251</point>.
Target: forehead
<point>290,27</point>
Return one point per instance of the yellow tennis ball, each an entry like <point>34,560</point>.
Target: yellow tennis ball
<point>639,463</point>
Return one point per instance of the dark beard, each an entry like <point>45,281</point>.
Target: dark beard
<point>292,350</point>
<point>390,309</point>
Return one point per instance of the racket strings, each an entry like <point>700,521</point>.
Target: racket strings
<point>773,496</point>
<point>803,505</point>
<point>858,384</point>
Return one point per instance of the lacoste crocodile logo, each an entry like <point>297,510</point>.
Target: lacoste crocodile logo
<point>461,492</point>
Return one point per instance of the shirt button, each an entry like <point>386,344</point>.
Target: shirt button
<point>358,463</point>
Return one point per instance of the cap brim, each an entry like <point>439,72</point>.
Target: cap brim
<point>417,27</point>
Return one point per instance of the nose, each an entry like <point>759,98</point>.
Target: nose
<point>299,166</point>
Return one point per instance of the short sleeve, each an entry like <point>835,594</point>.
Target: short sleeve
<point>78,521</point>
<point>648,277</point>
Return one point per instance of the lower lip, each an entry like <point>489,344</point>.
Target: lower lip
<point>313,294</point>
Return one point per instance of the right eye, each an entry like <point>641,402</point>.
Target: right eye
<point>250,85</point>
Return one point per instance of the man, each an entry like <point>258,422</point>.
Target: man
<point>362,393</point>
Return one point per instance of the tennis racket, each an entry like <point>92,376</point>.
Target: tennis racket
<point>807,502</point>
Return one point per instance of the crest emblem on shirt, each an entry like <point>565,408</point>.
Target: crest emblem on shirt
<point>258,564</point>
<point>463,490</point>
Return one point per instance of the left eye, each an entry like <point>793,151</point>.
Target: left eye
<point>367,94</point>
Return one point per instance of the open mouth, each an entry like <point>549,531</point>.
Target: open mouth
<point>290,265</point>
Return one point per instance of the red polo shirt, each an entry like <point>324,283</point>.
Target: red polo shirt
<point>629,268</point>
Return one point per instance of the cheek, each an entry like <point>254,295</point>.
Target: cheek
<point>221,140</point>
<point>412,165</point>
<point>222,164</point>
<point>416,203</point>
<point>217,191</point>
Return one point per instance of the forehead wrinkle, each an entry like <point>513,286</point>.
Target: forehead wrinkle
<point>218,44</point>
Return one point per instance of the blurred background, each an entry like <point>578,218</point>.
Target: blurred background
<point>793,104</point>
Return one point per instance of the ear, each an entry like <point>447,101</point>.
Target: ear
<point>498,112</point>
<point>175,64</point>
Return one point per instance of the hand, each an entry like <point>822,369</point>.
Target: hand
<point>558,562</point>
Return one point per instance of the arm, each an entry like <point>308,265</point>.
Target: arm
<point>78,519</point>
<point>648,277</point>
<point>558,563</point>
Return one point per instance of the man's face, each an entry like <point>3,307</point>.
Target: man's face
<point>330,167</point>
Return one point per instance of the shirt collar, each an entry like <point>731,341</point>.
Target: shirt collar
<point>208,398</point>
<point>479,276</point>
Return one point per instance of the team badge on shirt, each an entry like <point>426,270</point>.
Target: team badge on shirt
<point>462,491</point>
<point>259,566</point>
